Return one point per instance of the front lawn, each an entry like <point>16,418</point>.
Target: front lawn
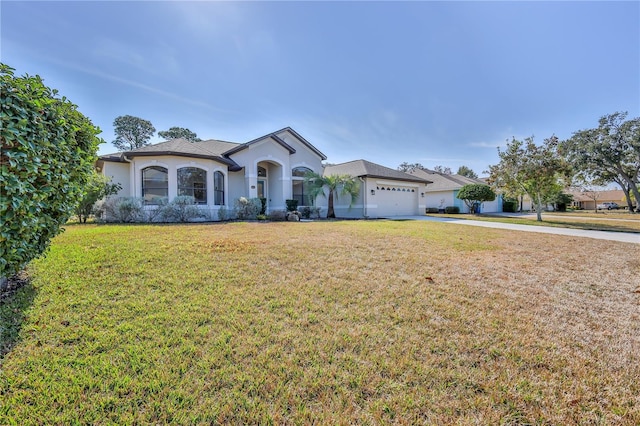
<point>370,322</point>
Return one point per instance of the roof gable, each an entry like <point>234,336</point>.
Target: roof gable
<point>363,168</point>
<point>276,137</point>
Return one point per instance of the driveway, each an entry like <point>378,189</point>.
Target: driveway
<point>625,237</point>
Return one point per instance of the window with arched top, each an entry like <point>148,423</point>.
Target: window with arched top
<point>155,184</point>
<point>262,172</point>
<point>192,181</point>
<point>300,188</point>
<point>218,189</point>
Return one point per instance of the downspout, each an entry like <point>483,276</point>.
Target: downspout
<point>364,198</point>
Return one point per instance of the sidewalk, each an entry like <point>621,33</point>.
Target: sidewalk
<point>625,237</point>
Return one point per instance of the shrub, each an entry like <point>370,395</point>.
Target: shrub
<point>261,217</point>
<point>97,187</point>
<point>121,209</point>
<point>278,215</point>
<point>183,208</point>
<point>292,205</point>
<point>48,154</point>
<point>432,210</point>
<point>315,212</point>
<point>305,212</point>
<point>223,213</point>
<point>452,209</point>
<point>247,208</point>
<point>509,206</point>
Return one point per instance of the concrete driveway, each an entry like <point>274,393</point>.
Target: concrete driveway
<point>625,237</point>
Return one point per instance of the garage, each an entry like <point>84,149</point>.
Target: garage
<point>384,192</point>
<point>395,200</point>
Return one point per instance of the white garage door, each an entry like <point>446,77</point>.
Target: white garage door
<point>396,200</point>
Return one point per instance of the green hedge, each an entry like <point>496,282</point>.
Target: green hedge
<point>48,154</point>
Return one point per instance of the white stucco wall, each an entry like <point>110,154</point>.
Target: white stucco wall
<point>119,173</point>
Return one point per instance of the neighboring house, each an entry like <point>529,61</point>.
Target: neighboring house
<point>444,190</point>
<point>216,172</point>
<point>384,192</point>
<point>583,200</point>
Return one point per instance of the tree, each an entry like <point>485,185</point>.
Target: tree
<point>97,188</point>
<point>608,153</point>
<point>409,167</point>
<point>179,132</point>
<point>466,171</point>
<point>48,154</point>
<point>444,170</point>
<point>344,185</point>
<point>132,132</point>
<point>474,194</point>
<point>593,193</point>
<point>526,168</point>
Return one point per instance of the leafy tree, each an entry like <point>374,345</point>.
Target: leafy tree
<point>132,132</point>
<point>475,193</point>
<point>97,188</point>
<point>526,168</point>
<point>466,171</point>
<point>442,169</point>
<point>48,154</point>
<point>335,184</point>
<point>179,132</point>
<point>608,153</point>
<point>409,167</point>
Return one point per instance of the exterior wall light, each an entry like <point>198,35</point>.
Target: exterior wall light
<point>373,192</point>
<point>422,194</point>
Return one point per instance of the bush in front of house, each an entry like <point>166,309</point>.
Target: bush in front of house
<point>182,208</point>
<point>277,216</point>
<point>292,205</point>
<point>431,210</point>
<point>452,209</point>
<point>120,210</point>
<point>509,206</point>
<point>247,208</point>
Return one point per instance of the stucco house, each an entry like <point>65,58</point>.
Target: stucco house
<point>217,172</point>
<point>384,192</point>
<point>443,191</point>
<point>273,166</point>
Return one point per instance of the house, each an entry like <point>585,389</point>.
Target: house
<point>273,166</point>
<point>384,192</point>
<point>443,191</point>
<point>588,200</point>
<point>217,172</point>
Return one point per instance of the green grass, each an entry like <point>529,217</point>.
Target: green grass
<point>369,322</point>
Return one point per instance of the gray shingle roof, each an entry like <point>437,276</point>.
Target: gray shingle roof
<point>443,181</point>
<point>211,149</point>
<point>365,168</point>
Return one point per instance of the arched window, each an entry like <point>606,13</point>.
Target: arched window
<point>300,187</point>
<point>218,189</point>
<point>192,181</point>
<point>262,172</point>
<point>155,184</point>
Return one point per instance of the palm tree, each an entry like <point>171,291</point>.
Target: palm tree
<point>341,184</point>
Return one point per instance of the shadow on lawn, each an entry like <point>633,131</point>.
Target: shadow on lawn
<point>15,298</point>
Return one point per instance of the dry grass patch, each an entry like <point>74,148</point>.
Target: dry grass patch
<point>343,322</point>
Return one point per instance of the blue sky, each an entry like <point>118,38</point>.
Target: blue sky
<point>439,83</point>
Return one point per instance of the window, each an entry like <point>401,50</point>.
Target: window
<point>262,172</point>
<point>192,181</point>
<point>218,189</point>
<point>155,184</point>
<point>300,187</point>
